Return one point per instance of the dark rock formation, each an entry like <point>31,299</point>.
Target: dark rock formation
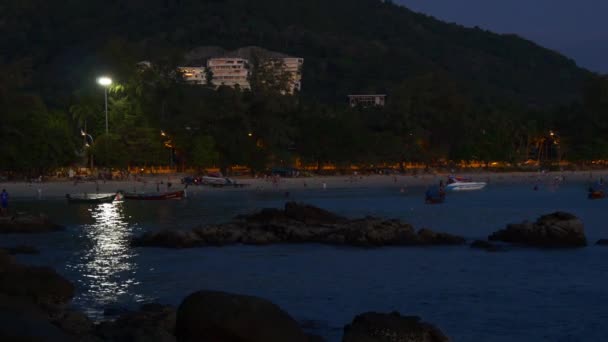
<point>18,325</point>
<point>554,230</point>
<point>6,260</point>
<point>219,316</point>
<point>481,244</point>
<point>314,338</point>
<point>155,323</point>
<point>28,224</point>
<point>22,249</point>
<point>299,224</point>
<point>377,327</point>
<point>74,323</point>
<point>42,285</point>
<point>602,242</point>
<point>30,299</point>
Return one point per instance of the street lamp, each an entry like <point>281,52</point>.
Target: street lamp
<point>105,82</point>
<point>86,135</point>
<point>86,144</point>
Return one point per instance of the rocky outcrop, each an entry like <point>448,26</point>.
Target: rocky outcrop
<point>554,230</point>
<point>42,285</point>
<point>219,316</point>
<point>153,322</point>
<point>27,224</point>
<point>74,323</point>
<point>33,308</point>
<point>377,327</point>
<point>602,242</point>
<point>22,249</point>
<point>18,325</point>
<point>30,299</point>
<point>299,223</point>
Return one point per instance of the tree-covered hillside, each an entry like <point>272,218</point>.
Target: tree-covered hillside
<point>453,93</point>
<point>349,46</point>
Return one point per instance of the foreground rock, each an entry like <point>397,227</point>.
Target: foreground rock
<point>220,316</point>
<point>42,285</point>
<point>27,224</point>
<point>33,307</point>
<point>554,230</point>
<point>376,327</point>
<point>31,298</point>
<point>154,322</point>
<point>299,223</point>
<point>22,249</point>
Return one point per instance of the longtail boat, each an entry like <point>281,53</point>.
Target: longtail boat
<point>596,194</point>
<point>90,198</point>
<point>155,196</point>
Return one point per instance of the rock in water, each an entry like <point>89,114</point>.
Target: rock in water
<point>41,284</point>
<point>74,323</point>
<point>6,260</point>
<point>22,326</point>
<point>220,316</point>
<point>602,242</point>
<point>299,223</point>
<point>23,249</point>
<point>28,224</point>
<point>554,230</point>
<point>154,322</point>
<point>310,214</point>
<point>377,327</point>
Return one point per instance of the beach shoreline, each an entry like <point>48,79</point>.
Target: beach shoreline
<point>158,183</point>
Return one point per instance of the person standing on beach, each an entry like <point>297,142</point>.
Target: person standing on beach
<point>4,201</point>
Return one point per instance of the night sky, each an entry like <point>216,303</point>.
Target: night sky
<point>577,29</point>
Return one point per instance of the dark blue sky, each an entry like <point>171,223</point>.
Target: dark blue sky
<point>576,28</point>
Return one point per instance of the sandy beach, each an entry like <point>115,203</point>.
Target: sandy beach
<point>149,184</point>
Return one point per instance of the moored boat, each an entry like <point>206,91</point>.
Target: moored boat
<point>596,191</point>
<point>597,194</point>
<point>90,198</point>
<point>463,184</point>
<point>155,196</point>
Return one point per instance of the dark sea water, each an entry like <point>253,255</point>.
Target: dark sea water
<point>518,295</point>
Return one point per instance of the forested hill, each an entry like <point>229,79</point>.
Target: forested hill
<point>349,46</point>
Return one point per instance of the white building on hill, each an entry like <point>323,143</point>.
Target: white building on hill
<point>194,75</point>
<point>233,68</point>
<point>369,100</point>
<point>229,71</point>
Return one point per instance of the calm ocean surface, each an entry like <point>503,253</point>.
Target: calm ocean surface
<point>519,295</point>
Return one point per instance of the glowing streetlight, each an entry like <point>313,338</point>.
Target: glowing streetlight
<point>87,135</point>
<point>105,82</point>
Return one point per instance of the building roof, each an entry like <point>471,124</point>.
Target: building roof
<point>200,55</point>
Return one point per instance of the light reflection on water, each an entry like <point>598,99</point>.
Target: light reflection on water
<point>106,263</point>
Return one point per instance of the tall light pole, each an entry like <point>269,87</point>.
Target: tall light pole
<point>105,82</point>
<point>90,137</point>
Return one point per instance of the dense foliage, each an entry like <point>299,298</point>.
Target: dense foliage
<point>454,93</point>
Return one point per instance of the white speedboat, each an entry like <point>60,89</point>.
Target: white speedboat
<point>211,180</point>
<point>463,184</point>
